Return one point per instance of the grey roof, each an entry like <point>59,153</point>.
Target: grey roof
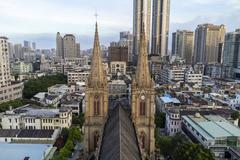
<point>26,133</point>
<point>119,140</point>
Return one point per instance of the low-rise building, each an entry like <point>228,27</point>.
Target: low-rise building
<point>172,74</point>
<point>78,76</point>
<point>173,122</point>
<point>27,117</point>
<point>212,131</point>
<point>118,67</point>
<point>117,87</point>
<point>192,76</point>
<point>11,92</point>
<point>21,67</point>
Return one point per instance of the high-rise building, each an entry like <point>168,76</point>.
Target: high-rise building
<point>67,46</point>
<point>141,19</point>
<point>8,91</point>
<point>231,54</point>
<point>26,44</point>
<point>59,45</point>
<point>160,27</point>
<point>78,49</point>
<point>18,50</point>
<point>126,40</point>
<point>208,43</point>
<point>118,53</point>
<point>34,46</point>
<point>183,44</point>
<point>11,50</point>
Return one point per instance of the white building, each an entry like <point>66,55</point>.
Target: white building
<point>173,74</point>
<point>8,89</point>
<point>118,67</point>
<point>117,87</point>
<point>75,76</point>
<point>27,117</point>
<point>192,76</point>
<point>21,67</point>
<point>173,122</point>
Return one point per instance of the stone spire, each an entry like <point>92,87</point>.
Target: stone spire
<point>143,77</point>
<point>97,76</point>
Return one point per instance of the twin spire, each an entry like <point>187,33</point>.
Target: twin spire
<point>97,76</point>
<point>143,76</point>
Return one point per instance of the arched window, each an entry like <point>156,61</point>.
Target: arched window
<point>142,108</point>
<point>95,138</point>
<point>96,106</point>
<point>143,140</point>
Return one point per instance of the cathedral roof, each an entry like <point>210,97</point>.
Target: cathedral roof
<point>97,76</point>
<point>119,141</point>
<point>143,76</point>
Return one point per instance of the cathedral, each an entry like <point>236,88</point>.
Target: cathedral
<point>126,131</point>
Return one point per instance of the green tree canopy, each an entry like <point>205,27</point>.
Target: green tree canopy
<point>235,115</point>
<point>191,151</point>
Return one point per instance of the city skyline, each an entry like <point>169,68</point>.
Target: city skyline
<point>36,25</point>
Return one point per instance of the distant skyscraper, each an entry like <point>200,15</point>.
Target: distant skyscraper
<point>231,54</point>
<point>59,45</point>
<point>126,40</point>
<point>69,46</point>
<point>34,46</point>
<point>11,50</point>
<point>208,43</point>
<point>141,17</point>
<point>26,44</point>
<point>78,49</point>
<point>183,44</point>
<point>18,51</point>
<point>160,27</point>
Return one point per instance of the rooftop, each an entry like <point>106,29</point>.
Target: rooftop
<point>213,126</point>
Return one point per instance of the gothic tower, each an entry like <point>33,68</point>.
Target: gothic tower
<point>96,99</point>
<point>143,102</point>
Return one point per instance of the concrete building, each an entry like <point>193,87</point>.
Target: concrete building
<point>21,67</point>
<point>59,45</point>
<point>8,89</point>
<point>160,27</point>
<point>231,55</point>
<point>141,17</point>
<point>117,87</point>
<point>194,76</point>
<point>126,39</point>
<point>18,51</point>
<point>208,44</point>
<point>183,45</point>
<point>172,74</point>
<point>173,122</point>
<point>69,46</point>
<point>212,131</point>
<point>118,53</point>
<point>118,67</point>
<point>27,117</point>
<point>74,77</point>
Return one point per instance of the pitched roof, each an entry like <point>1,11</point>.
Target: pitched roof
<point>119,140</point>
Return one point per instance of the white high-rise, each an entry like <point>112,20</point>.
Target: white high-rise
<point>160,27</point>
<point>141,17</point>
<point>8,90</point>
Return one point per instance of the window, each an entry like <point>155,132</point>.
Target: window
<point>142,108</point>
<point>96,106</point>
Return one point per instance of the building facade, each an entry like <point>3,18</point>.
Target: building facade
<point>231,54</point>
<point>118,67</point>
<point>8,89</point>
<point>160,27</point>
<point>183,45</point>
<point>141,19</point>
<point>208,44</point>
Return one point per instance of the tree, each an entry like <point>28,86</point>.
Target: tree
<point>160,119</point>
<point>235,115</point>
<point>78,120</point>
<point>191,151</point>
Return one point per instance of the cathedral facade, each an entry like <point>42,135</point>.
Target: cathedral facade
<point>121,134</point>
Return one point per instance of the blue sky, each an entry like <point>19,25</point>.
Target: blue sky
<point>39,20</point>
